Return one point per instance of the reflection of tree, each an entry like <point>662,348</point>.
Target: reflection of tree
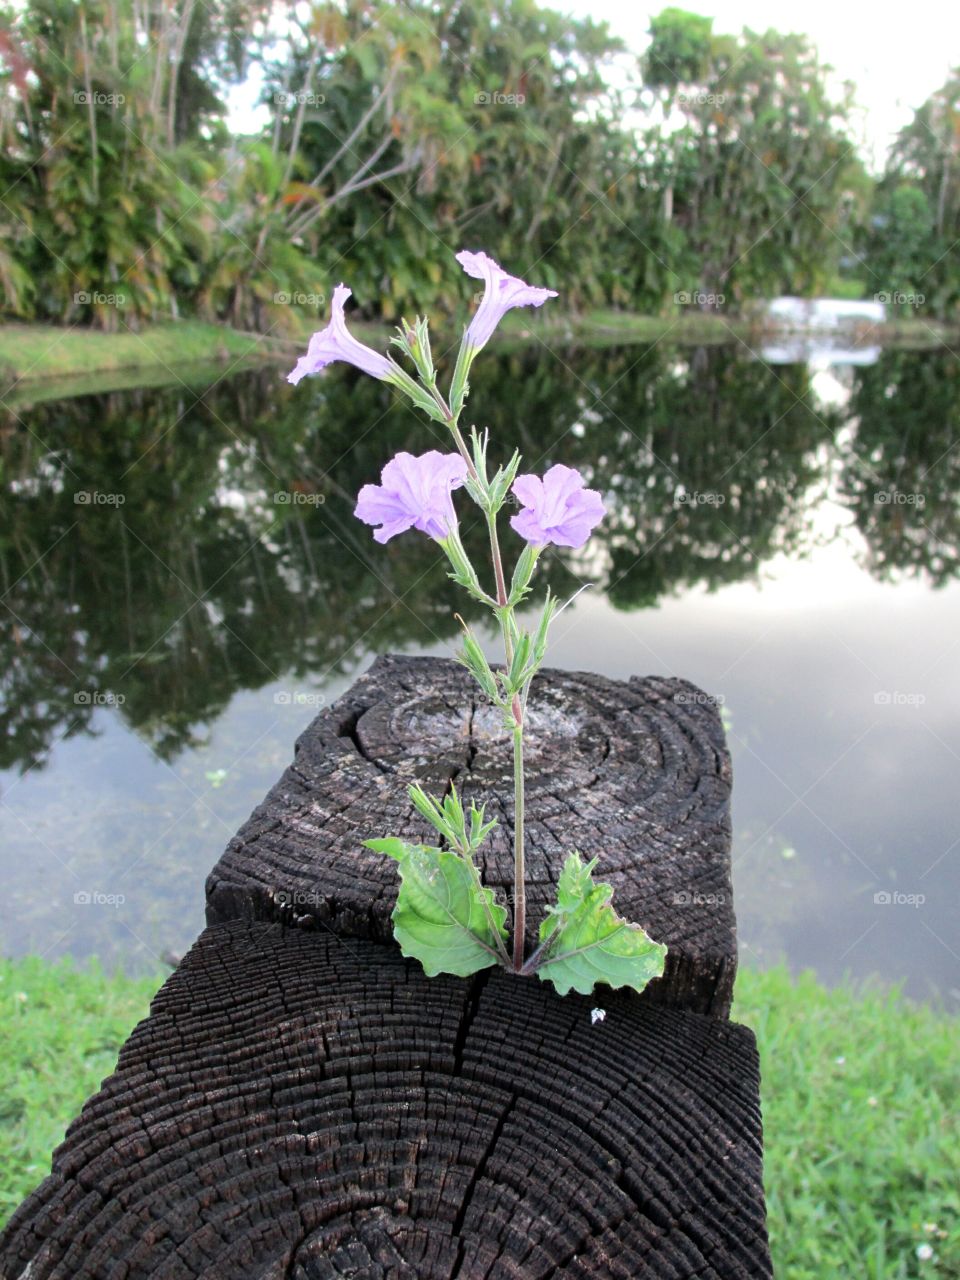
<point>708,457</point>
<point>202,583</point>
<point>903,482</point>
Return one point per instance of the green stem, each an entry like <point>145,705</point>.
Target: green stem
<point>501,584</point>
<point>462,446</point>
<point>519,888</point>
<point>533,963</point>
<point>519,872</point>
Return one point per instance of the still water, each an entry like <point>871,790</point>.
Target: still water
<point>184,586</point>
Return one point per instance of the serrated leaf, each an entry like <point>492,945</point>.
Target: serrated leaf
<point>589,943</point>
<point>443,917</point>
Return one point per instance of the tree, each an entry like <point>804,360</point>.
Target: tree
<point>756,176</point>
<point>911,239</point>
<point>431,126</point>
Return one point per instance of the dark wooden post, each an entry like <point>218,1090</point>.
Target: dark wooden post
<point>304,1103</point>
<point>636,772</point>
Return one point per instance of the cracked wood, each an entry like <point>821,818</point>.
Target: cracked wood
<point>636,772</point>
<point>306,1106</point>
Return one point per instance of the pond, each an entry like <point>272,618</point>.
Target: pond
<point>185,586</point>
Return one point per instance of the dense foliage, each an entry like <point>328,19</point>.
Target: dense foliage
<point>717,170</point>
<point>913,231</point>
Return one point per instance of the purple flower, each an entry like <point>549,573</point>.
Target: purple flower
<point>414,493</point>
<point>502,292</point>
<point>556,509</point>
<point>335,343</point>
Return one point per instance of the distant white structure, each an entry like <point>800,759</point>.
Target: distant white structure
<point>824,314</point>
<point>822,332</point>
<point>820,351</point>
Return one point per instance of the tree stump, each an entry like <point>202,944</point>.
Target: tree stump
<point>635,772</point>
<point>304,1104</point>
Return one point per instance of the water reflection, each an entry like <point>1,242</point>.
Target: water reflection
<point>902,478</point>
<point>161,551</point>
<point>173,565</point>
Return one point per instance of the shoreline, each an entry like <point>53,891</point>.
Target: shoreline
<point>43,362</point>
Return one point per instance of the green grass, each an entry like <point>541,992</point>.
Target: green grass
<point>859,1098</point>
<point>862,1141</point>
<point>32,353</point>
<point>60,1030</point>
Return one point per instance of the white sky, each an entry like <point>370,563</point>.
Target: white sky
<point>895,57</point>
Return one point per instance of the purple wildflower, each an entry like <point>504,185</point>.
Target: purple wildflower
<point>556,509</point>
<point>502,292</point>
<point>335,343</point>
<point>414,493</point>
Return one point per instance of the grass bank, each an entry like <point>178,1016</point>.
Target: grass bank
<point>31,355</point>
<point>859,1100</point>
<point>39,362</point>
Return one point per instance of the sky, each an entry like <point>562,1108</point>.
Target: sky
<point>896,58</point>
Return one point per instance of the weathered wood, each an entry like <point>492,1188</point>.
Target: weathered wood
<point>636,772</point>
<point>302,1103</point>
<point>304,1106</point>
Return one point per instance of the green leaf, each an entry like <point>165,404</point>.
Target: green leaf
<point>472,657</point>
<point>443,917</point>
<point>392,846</point>
<point>479,830</point>
<point>464,573</point>
<point>504,478</point>
<point>518,665</point>
<point>460,387</point>
<point>523,572</point>
<point>587,942</point>
<point>435,814</point>
<point>540,638</point>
